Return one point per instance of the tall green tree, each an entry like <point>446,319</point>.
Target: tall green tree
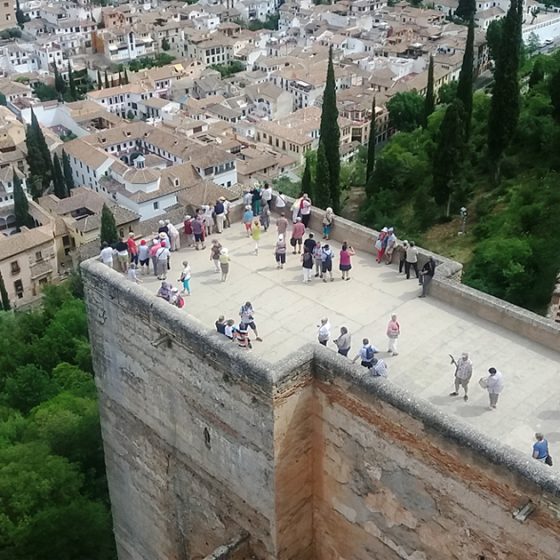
<point>109,233</point>
<point>58,179</point>
<point>537,73</point>
<point>125,77</point>
<point>330,136</point>
<point>554,92</point>
<point>59,83</point>
<point>494,37</point>
<point>4,299</point>
<point>465,85</point>
<point>21,205</point>
<point>466,9</point>
<point>448,155</point>
<point>406,110</point>
<point>71,83</point>
<point>67,170</point>
<point>106,79</point>
<point>370,163</point>
<point>99,81</point>
<point>505,103</point>
<point>322,192</point>
<point>20,16</point>
<point>306,182</point>
<point>38,158</point>
<point>429,100</point>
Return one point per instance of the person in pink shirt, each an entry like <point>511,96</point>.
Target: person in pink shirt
<point>346,253</point>
<point>298,231</point>
<point>156,244</point>
<point>393,333</point>
<point>132,248</point>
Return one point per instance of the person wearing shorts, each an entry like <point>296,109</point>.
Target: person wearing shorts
<point>326,262</point>
<point>198,232</point>
<point>246,313</point>
<point>298,231</point>
<point>280,251</point>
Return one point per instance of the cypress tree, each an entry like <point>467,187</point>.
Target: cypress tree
<point>67,170</point>
<point>466,9</point>
<point>38,158</point>
<point>106,80</point>
<point>429,100</point>
<point>125,77</point>
<point>109,232</point>
<point>120,79</point>
<point>71,83</point>
<point>537,73</point>
<point>370,164</point>
<point>21,205</point>
<point>322,192</point>
<point>306,183</point>
<point>59,83</point>
<point>554,92</point>
<point>505,103</point>
<point>448,155</point>
<point>330,136</point>
<point>58,179</point>
<point>99,82</point>
<point>4,299</point>
<point>20,16</point>
<point>465,85</point>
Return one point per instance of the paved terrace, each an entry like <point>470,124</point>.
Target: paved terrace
<point>288,311</point>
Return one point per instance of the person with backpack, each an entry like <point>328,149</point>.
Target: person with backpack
<point>247,319</point>
<point>307,266</point>
<point>326,262</point>
<point>366,354</point>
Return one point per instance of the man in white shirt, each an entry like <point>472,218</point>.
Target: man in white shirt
<point>366,354</point>
<point>162,257</point>
<point>495,385</point>
<point>411,260</point>
<point>324,331</point>
<point>106,255</point>
<point>266,195</point>
<point>280,202</point>
<point>463,374</point>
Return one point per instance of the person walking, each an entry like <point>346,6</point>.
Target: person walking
<point>379,367</point>
<point>248,220</point>
<point>402,256</point>
<point>106,255</point>
<point>198,232</point>
<point>219,215</point>
<point>328,223</point>
<point>495,385</point>
<point>144,257</point>
<point>393,333</point>
<point>366,354</point>
<point>327,256</point>
<point>280,251</point>
<point>298,231</point>
<point>463,374</point>
<point>247,198</point>
<point>307,266</point>
<point>305,209</point>
<point>540,450</point>
<point>247,318</point>
<point>185,278</point>
<point>343,342</point>
<point>427,274</point>
<point>264,216</point>
<point>390,247</point>
<point>215,250</point>
<point>317,260</point>
<point>324,333</point>
<point>345,260</point>
<point>266,196</point>
<point>256,234</point>
<point>132,248</point>
<point>411,260</point>
<point>224,263</point>
<point>282,225</point>
<point>162,256</point>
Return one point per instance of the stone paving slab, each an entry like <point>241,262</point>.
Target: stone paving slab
<point>288,311</point>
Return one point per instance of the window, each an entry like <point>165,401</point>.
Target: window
<point>18,287</point>
<point>156,205</point>
<point>38,256</point>
<point>15,268</point>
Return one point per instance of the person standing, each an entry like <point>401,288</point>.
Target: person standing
<point>366,354</point>
<point>307,266</point>
<point>343,342</point>
<point>305,209</point>
<point>266,196</point>
<point>247,198</point>
<point>162,256</point>
<point>345,260</point>
<point>296,209</point>
<point>106,255</point>
<point>328,223</point>
<point>280,201</point>
<point>247,318</point>
<point>220,215</point>
<point>326,262</point>
<point>540,450</point>
<point>309,244</point>
<point>256,192</point>
<point>144,257</point>
<point>282,225</point>
<point>198,232</point>
<point>390,248</point>
<point>317,260</point>
<point>224,263</point>
<point>215,250</point>
<point>494,385</point>
<point>411,260</point>
<point>156,244</point>
<point>324,333</point>
<point>428,271</point>
<point>174,237</point>
<point>402,256</point>
<point>264,216</point>
<point>208,216</point>
<point>280,251</point>
<point>185,278</point>
<point>380,244</point>
<point>463,374</point>
<point>122,255</point>
<point>248,220</point>
<point>227,205</point>
<point>132,248</point>
<point>393,333</point>
<point>298,231</point>
<point>379,367</point>
<point>188,230</point>
<point>256,234</point>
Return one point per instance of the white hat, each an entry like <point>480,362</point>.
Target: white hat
<point>224,251</point>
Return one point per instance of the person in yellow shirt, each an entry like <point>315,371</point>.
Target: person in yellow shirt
<point>256,235</point>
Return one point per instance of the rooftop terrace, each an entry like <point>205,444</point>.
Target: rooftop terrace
<point>288,312</point>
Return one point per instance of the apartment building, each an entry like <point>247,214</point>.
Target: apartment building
<point>7,14</point>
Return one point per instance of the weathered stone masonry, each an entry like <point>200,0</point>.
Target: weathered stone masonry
<point>312,460</point>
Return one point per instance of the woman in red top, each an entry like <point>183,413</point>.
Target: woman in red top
<point>132,248</point>
<point>187,225</point>
<point>346,254</point>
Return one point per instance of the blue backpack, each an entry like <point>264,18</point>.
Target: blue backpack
<point>369,353</point>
